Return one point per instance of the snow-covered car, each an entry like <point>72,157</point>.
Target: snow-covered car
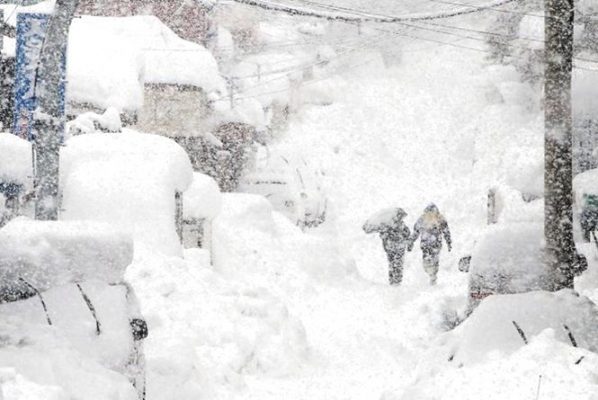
<point>68,317</point>
<point>293,189</point>
<point>507,259</point>
<point>585,188</point>
<point>509,343</point>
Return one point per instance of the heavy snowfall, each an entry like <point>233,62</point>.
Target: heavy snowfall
<point>292,199</point>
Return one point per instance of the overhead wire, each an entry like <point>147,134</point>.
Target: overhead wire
<point>408,35</point>
<point>493,9</point>
<point>305,67</point>
<point>348,17</point>
<point>309,81</point>
<point>349,44</point>
<point>452,33</point>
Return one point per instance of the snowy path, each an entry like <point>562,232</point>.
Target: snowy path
<point>285,315</point>
<point>381,146</point>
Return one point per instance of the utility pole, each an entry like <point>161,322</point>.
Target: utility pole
<point>558,174</point>
<point>1,33</point>
<point>48,119</point>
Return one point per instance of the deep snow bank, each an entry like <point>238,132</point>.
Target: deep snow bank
<point>487,356</point>
<point>207,334</point>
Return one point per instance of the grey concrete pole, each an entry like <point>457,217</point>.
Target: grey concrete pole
<point>48,118</point>
<point>558,173</point>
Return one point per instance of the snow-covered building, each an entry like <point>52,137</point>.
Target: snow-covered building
<point>143,69</point>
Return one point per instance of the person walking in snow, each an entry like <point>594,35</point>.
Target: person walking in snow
<point>430,228</point>
<point>395,237</point>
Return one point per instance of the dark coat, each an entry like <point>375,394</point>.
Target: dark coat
<point>395,238</point>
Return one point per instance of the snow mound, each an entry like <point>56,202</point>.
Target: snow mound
<point>202,200</point>
<point>91,122</point>
<point>252,242</point>
<point>47,254</point>
<point>545,369</point>
<point>487,356</point>
<point>129,180</point>
<point>16,387</point>
<point>208,334</point>
<point>15,160</point>
<point>490,328</point>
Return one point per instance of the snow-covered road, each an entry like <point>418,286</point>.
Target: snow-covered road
<point>293,315</point>
<point>402,137</point>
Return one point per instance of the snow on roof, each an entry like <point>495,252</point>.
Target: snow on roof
<point>103,69</point>
<point>111,57</point>
<point>167,57</point>
<point>15,160</point>
<point>128,179</point>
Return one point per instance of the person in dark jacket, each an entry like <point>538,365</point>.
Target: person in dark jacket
<point>431,227</point>
<point>395,237</point>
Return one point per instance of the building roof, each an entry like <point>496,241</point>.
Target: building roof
<point>111,58</point>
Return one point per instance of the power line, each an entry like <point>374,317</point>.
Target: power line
<point>491,9</point>
<point>351,18</point>
<point>307,82</point>
<point>484,40</point>
<point>263,84</point>
<point>308,66</point>
<point>295,68</point>
<point>587,60</point>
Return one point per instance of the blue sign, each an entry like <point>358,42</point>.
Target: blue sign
<point>31,30</point>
